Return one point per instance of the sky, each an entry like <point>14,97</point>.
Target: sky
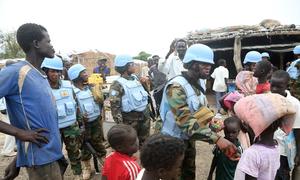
<point>131,26</point>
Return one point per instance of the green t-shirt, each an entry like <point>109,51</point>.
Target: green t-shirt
<point>225,167</point>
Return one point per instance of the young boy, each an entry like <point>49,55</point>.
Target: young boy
<point>90,106</point>
<point>31,108</point>
<point>262,72</point>
<point>120,164</point>
<point>161,157</point>
<point>225,166</point>
<point>279,84</point>
<point>129,99</point>
<point>220,75</point>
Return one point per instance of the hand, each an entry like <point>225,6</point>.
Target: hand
<point>229,149</point>
<point>11,171</point>
<point>144,79</point>
<point>33,136</point>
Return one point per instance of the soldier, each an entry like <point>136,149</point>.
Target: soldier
<point>90,106</point>
<point>294,71</point>
<point>66,110</point>
<point>184,109</point>
<point>129,99</point>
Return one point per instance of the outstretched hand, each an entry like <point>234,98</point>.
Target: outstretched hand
<point>229,149</point>
<point>34,136</point>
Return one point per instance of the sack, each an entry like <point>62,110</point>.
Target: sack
<point>261,110</point>
<point>63,165</point>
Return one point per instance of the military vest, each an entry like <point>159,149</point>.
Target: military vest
<point>194,102</point>
<point>65,104</point>
<point>135,97</point>
<point>87,103</point>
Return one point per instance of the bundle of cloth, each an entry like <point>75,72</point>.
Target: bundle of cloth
<point>246,82</point>
<point>259,111</point>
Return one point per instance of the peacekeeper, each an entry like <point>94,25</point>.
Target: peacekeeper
<point>184,109</point>
<point>90,106</point>
<point>294,72</point>
<point>66,110</point>
<point>129,99</point>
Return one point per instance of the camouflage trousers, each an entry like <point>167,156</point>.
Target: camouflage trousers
<point>141,125</point>
<point>188,164</point>
<point>94,135</point>
<point>73,141</point>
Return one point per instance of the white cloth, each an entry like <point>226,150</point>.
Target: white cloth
<point>10,142</point>
<point>171,67</point>
<point>140,175</point>
<point>2,104</point>
<point>219,74</point>
<point>296,103</point>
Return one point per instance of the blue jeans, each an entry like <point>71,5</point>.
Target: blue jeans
<point>218,96</point>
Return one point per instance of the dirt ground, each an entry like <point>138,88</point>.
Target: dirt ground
<point>203,159</point>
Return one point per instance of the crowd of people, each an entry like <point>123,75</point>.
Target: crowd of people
<point>49,103</point>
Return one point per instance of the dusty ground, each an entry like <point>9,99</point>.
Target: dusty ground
<point>203,160</point>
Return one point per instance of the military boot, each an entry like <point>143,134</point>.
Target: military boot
<point>86,172</point>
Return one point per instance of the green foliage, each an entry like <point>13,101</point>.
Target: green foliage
<point>9,46</point>
<point>142,56</point>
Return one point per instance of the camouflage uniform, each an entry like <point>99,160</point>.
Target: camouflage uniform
<point>94,135</point>
<point>188,123</point>
<point>73,141</point>
<point>295,85</point>
<point>140,121</point>
<point>93,130</point>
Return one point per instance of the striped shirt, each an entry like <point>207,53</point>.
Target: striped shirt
<point>118,166</point>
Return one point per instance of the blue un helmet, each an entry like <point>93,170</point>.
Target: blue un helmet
<point>53,63</point>
<point>252,57</point>
<point>75,70</point>
<point>122,60</point>
<point>296,50</point>
<point>265,54</point>
<point>200,53</point>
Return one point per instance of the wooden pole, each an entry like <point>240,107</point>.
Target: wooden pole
<point>281,61</point>
<point>237,54</point>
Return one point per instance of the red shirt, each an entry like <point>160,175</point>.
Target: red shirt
<point>263,88</point>
<point>119,166</point>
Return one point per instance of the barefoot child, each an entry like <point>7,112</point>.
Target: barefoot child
<point>264,113</point>
<point>161,157</point>
<point>120,164</point>
<point>225,166</point>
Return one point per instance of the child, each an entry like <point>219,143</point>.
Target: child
<point>161,157</point>
<point>120,164</point>
<point>264,113</point>
<point>279,84</point>
<point>262,72</point>
<point>225,166</point>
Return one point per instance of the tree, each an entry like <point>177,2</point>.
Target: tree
<point>9,46</point>
<point>142,56</point>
